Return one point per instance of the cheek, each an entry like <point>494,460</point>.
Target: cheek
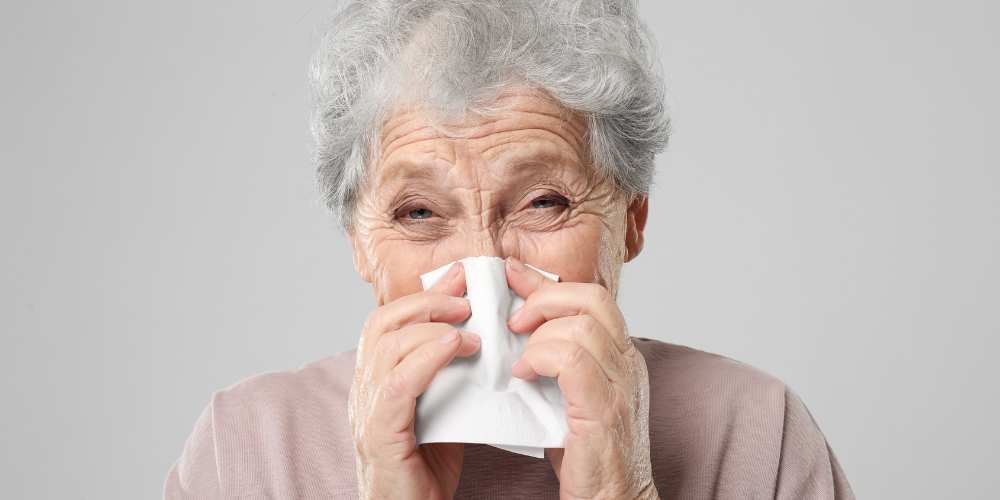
<point>579,253</point>
<point>390,262</point>
<point>398,263</point>
<point>395,279</point>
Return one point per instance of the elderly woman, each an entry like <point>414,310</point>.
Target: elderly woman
<point>523,130</point>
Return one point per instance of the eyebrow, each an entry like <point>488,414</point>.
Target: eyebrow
<point>406,171</point>
<point>512,164</point>
<point>519,164</point>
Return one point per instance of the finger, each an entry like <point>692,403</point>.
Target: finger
<point>397,394</point>
<point>453,281</point>
<point>588,392</point>
<point>586,332</point>
<point>395,346</point>
<point>571,299</point>
<point>422,307</point>
<point>523,279</point>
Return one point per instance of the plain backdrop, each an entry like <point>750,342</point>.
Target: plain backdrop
<point>827,211</point>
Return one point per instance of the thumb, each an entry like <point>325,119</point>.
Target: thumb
<point>524,280</point>
<point>453,281</point>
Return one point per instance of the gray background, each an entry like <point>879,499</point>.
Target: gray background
<point>827,212</point>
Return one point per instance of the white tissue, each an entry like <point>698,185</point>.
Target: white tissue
<point>475,399</point>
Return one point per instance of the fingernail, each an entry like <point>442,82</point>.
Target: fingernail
<point>513,367</point>
<point>472,336</point>
<point>451,337</point>
<point>460,301</point>
<point>516,265</point>
<point>452,272</point>
<point>513,319</point>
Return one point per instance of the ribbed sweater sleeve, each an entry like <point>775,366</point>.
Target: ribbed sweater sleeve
<point>195,475</point>
<point>807,468</point>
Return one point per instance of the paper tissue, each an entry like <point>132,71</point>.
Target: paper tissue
<point>475,399</point>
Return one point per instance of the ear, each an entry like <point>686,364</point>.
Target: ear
<point>360,259</point>
<point>635,222</point>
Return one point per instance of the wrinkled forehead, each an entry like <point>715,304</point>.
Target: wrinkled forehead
<point>522,132</point>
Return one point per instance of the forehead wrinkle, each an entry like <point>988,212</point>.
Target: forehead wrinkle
<point>418,164</point>
<point>395,141</point>
<point>566,124</point>
<point>408,171</point>
<point>512,159</point>
<point>493,124</point>
<point>552,137</point>
<point>499,133</point>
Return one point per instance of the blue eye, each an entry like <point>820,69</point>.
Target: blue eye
<point>421,213</point>
<point>543,203</point>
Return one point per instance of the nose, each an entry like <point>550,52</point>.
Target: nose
<point>486,241</point>
<point>481,226</point>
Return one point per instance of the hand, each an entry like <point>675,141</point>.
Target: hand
<point>580,337</point>
<point>403,345</point>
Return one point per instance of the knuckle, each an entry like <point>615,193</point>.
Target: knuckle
<point>394,386</point>
<point>387,347</point>
<point>425,356</point>
<point>588,325</point>
<point>618,365</point>
<point>581,327</point>
<point>598,295</point>
<point>627,347</point>
<point>375,321</point>
<point>574,357</point>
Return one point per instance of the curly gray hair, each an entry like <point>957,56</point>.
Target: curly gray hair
<point>595,57</point>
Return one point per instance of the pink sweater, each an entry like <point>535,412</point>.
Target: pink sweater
<point>718,429</point>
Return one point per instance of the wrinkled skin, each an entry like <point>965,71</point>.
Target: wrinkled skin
<point>516,185</point>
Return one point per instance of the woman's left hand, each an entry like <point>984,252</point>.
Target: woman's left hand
<point>580,337</point>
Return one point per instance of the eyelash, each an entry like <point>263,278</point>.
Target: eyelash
<point>555,199</point>
<point>406,212</point>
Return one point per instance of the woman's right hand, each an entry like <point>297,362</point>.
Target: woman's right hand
<point>403,345</point>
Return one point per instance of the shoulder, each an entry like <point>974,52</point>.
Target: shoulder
<point>298,415</point>
<point>313,386</point>
<point>702,401</point>
<point>709,382</point>
<point>721,424</point>
<point>285,431</point>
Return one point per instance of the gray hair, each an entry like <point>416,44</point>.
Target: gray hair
<point>595,57</point>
